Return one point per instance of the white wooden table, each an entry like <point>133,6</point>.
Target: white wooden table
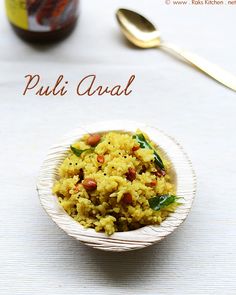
<point>199,258</point>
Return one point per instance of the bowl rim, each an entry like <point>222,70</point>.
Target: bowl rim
<point>119,241</point>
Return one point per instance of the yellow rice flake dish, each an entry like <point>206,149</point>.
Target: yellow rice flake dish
<point>116,181</point>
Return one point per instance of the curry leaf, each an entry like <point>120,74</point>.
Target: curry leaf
<point>160,202</point>
<point>144,144</point>
<point>78,152</point>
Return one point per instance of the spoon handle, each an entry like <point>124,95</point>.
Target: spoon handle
<point>205,66</point>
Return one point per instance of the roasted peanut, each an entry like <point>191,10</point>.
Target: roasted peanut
<point>152,183</point>
<point>127,198</point>
<point>100,159</point>
<point>93,139</point>
<point>131,174</point>
<point>163,172</point>
<point>160,173</point>
<point>135,148</point>
<point>89,184</point>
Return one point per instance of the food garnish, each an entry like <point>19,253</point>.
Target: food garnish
<point>78,152</point>
<point>144,144</point>
<point>159,202</point>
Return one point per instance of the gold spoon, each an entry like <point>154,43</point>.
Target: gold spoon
<point>142,33</point>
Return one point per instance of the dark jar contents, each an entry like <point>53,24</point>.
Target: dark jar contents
<point>42,21</point>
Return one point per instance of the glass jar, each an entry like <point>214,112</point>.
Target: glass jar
<point>42,21</point>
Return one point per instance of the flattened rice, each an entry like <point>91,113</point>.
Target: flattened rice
<point>116,181</point>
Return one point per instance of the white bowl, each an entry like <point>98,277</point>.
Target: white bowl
<point>183,176</point>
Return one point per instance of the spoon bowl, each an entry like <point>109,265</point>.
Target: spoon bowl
<point>137,29</point>
<point>142,33</point>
